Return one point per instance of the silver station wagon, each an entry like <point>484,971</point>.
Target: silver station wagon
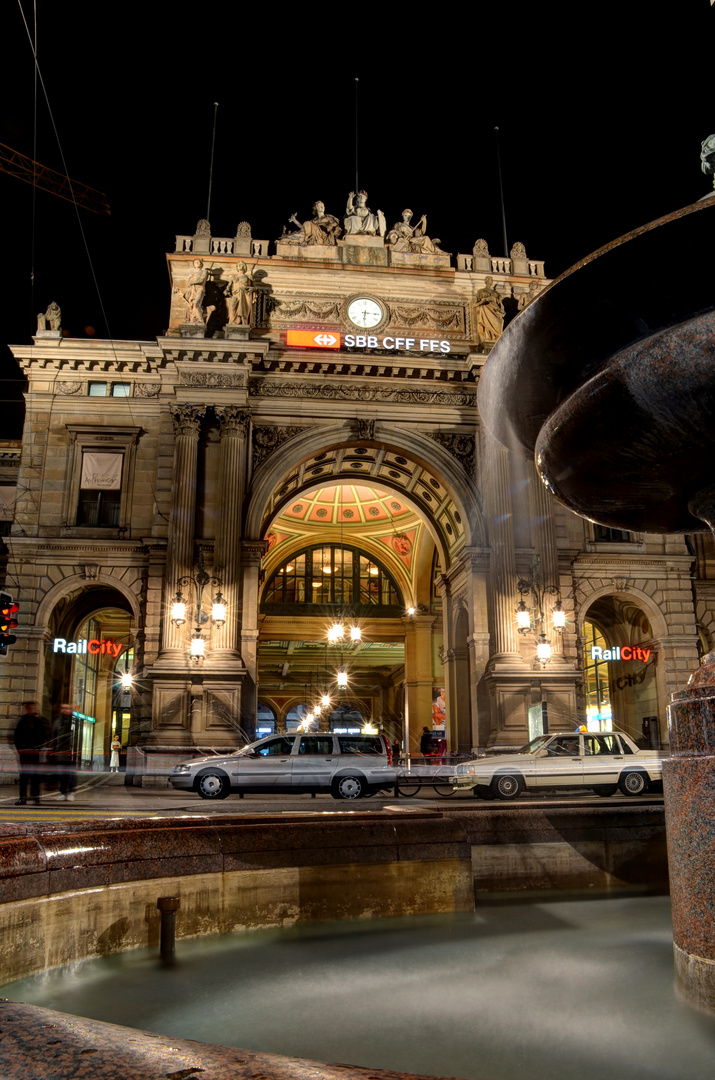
<point>605,761</point>
<point>348,766</point>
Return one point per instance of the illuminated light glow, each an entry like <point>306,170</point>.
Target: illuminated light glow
<point>373,341</point>
<point>368,729</point>
<point>355,633</point>
<point>313,339</point>
<point>411,611</point>
<point>327,570</point>
<point>198,647</point>
<point>107,647</point>
<point>325,701</point>
<point>523,616</point>
<point>178,612</point>
<point>127,680</point>
<point>374,571</point>
<point>218,614</point>
<point>558,617</point>
<point>316,584</point>
<point>543,652</point>
<point>336,632</point>
<point>342,678</point>
<point>617,652</point>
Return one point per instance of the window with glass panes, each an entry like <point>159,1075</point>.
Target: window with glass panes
<point>331,575</point>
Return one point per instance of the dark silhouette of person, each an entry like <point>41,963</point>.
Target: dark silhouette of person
<point>30,737</point>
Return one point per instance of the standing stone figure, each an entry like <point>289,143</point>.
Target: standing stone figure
<point>323,230</point>
<point>526,298</point>
<point>239,292</point>
<point>195,292</point>
<point>707,157</point>
<point>403,236</point>
<point>490,313</point>
<point>50,319</point>
<point>360,220</point>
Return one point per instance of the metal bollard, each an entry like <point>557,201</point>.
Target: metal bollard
<point>168,906</point>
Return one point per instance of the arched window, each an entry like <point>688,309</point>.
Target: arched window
<point>265,720</point>
<point>327,576</point>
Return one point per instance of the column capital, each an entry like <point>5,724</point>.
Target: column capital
<point>253,550</point>
<point>233,419</point>
<point>187,419</point>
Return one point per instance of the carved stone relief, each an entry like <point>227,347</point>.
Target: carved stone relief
<point>268,439</point>
<point>147,389</point>
<point>187,419</point>
<point>365,429</point>
<point>67,388</point>
<point>233,419</point>
<point>461,447</point>
<point>218,379</point>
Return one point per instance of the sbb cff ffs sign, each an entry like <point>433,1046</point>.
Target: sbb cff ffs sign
<point>328,339</point>
<point>8,622</point>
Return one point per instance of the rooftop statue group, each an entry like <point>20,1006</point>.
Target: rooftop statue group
<point>325,230</point>
<point>239,292</point>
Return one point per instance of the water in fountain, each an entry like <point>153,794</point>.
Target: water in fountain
<point>553,989</point>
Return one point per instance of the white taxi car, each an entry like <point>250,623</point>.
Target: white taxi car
<point>603,761</point>
<point>348,766</point>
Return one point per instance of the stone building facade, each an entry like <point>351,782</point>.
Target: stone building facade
<point>305,441</point>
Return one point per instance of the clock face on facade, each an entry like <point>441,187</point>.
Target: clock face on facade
<point>364,312</point>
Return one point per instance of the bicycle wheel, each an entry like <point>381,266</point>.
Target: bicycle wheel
<point>407,787</point>
<point>443,786</point>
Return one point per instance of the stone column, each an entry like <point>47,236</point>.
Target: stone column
<point>252,552</point>
<point>545,543</point>
<point>227,560</point>
<point>180,549</point>
<point>418,675</point>
<point>497,495</point>
<point>690,827</point>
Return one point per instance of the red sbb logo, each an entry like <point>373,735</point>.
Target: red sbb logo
<point>313,339</point>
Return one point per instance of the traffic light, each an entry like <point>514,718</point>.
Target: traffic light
<point>8,622</point>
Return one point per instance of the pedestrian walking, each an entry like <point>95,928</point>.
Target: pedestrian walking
<point>30,738</point>
<point>63,752</point>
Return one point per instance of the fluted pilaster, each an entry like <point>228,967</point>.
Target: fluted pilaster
<point>180,549</point>
<point>501,539</point>
<point>234,423</point>
<point>544,537</point>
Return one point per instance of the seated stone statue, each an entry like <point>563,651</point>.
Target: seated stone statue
<point>323,230</point>
<point>707,157</point>
<point>403,236</point>
<point>359,218</point>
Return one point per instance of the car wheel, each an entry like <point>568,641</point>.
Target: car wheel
<point>633,783</point>
<point>604,790</point>
<point>348,787</point>
<point>213,785</point>
<point>481,791</point>
<point>507,786</point>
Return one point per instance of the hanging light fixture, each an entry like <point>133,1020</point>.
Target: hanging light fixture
<point>179,605</point>
<point>342,680</point>
<point>533,618</point>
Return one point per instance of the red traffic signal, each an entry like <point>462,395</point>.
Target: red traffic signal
<point>8,622</point>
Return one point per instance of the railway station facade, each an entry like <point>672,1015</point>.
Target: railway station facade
<point>301,453</point>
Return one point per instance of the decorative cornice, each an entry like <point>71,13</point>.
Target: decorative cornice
<point>339,392</point>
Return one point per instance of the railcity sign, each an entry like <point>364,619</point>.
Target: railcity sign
<point>331,339</point>
<point>617,652</point>
<point>93,645</point>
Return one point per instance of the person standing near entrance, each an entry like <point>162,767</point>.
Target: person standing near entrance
<point>426,747</point>
<point>30,737</point>
<point>114,759</point>
<point>63,752</point>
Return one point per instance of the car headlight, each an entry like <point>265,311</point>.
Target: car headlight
<point>181,769</point>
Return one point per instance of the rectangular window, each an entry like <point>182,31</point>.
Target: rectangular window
<point>121,389</point>
<point>97,389</point>
<point>100,489</point>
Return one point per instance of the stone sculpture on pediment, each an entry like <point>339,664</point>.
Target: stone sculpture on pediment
<point>404,236</point>
<point>323,230</point>
<point>203,228</point>
<point>50,319</point>
<point>518,251</point>
<point>194,294</point>
<point>239,296</point>
<point>490,313</point>
<point>526,298</point>
<point>359,219</point>
<point>243,229</point>
<point>480,249</point>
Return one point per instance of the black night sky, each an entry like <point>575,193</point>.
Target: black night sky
<point>601,109</point>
